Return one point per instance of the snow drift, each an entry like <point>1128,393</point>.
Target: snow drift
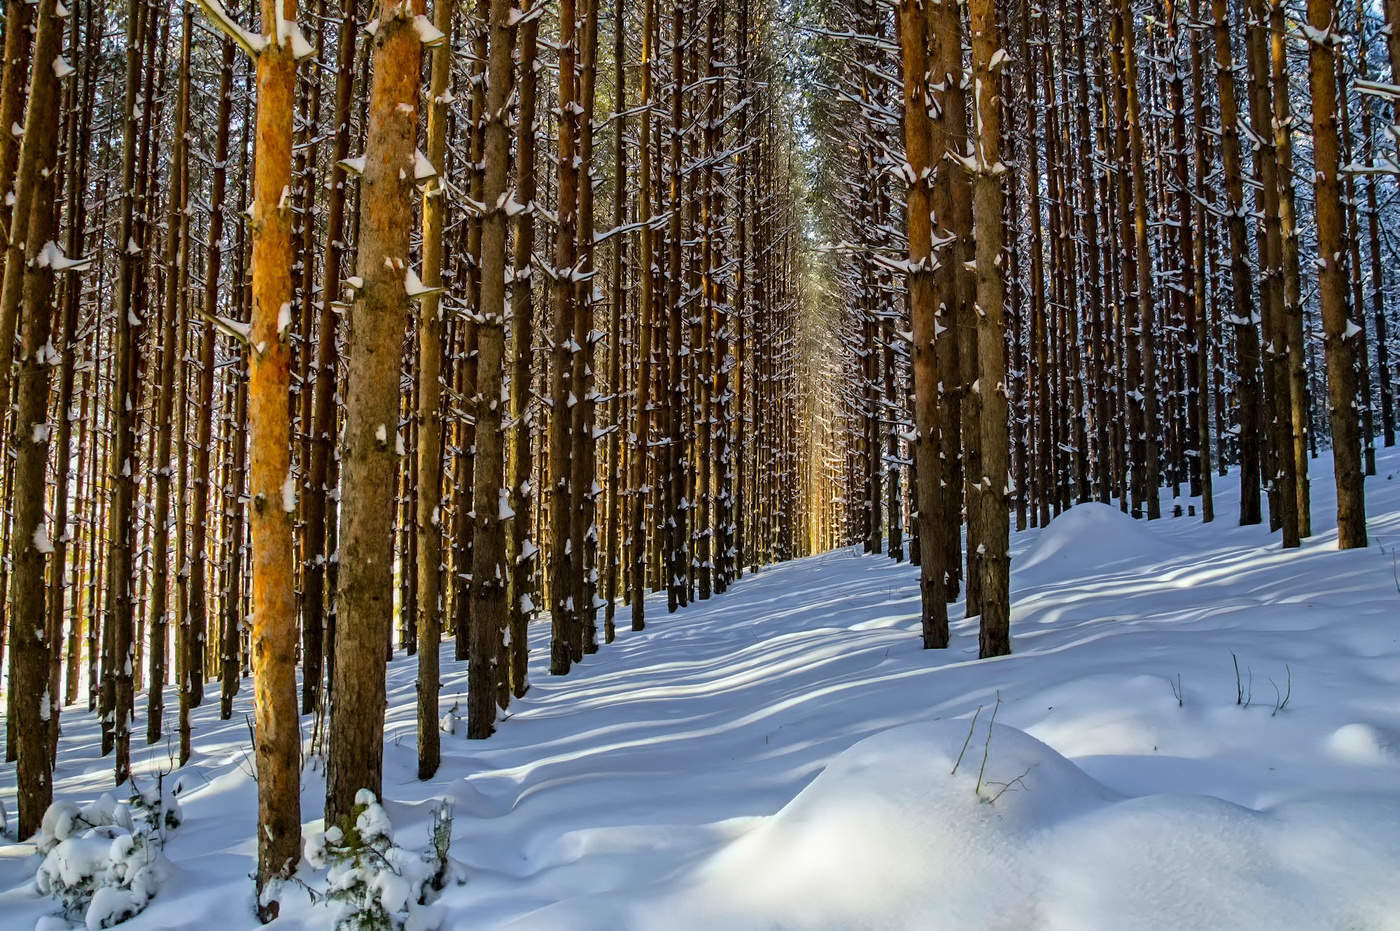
<point>781,757</point>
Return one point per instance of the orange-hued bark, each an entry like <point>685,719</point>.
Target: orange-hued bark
<point>273,636</point>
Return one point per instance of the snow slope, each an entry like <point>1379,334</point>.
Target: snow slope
<point>782,756</point>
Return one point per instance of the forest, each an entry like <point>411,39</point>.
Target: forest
<point>373,369</point>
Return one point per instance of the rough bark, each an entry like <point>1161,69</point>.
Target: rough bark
<point>1338,336</point>
<point>992,512</point>
<point>489,613</point>
<point>428,566</point>
<point>378,319</point>
<point>922,299</point>
<point>29,276</point>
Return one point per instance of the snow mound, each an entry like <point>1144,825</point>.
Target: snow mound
<point>886,836</point>
<point>1363,743</point>
<point>1092,536</point>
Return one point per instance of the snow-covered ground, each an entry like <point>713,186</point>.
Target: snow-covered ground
<point>783,755</point>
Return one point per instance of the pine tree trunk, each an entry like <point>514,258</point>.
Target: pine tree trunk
<point>119,650</point>
<point>563,557</point>
<point>1283,481</point>
<point>14,85</point>
<point>583,453</point>
<point>197,617</point>
<point>521,553</point>
<point>920,161</point>
<point>489,613</point>
<point>1338,338</point>
<point>1373,239</point>
<point>992,515</point>
<point>28,287</point>
<point>1242,310</point>
<point>1298,392</point>
<point>673,566</point>
<point>378,320</point>
<point>617,305</point>
<point>273,634</point>
<point>1351,234</point>
<point>319,508</point>
<point>168,387</point>
<point>647,261</point>
<point>428,567</point>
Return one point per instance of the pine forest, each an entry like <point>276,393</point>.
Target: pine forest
<point>578,464</point>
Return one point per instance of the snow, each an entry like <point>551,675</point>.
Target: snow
<point>290,35</point>
<point>289,494</point>
<point>250,43</point>
<point>413,285</point>
<point>423,169</point>
<point>782,756</point>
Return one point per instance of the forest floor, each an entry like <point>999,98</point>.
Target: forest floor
<point>782,755</point>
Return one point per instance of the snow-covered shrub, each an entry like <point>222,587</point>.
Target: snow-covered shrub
<point>452,721</point>
<point>102,861</point>
<point>374,884</point>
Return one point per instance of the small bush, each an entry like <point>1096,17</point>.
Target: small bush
<point>102,861</point>
<point>374,884</point>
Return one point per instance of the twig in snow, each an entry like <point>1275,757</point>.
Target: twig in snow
<point>1007,785</point>
<point>252,769</point>
<point>987,747</point>
<point>1288,693</point>
<point>1176,690</point>
<point>967,741</point>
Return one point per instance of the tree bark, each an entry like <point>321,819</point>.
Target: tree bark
<point>1338,335</point>
<point>428,567</point>
<point>29,276</point>
<point>377,323</point>
<point>920,162</point>
<point>489,614</point>
<point>992,514</point>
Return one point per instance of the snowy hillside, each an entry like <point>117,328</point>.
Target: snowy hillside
<point>782,756</point>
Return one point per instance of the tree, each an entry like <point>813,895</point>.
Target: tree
<point>1241,298</point>
<point>1338,331</point>
<point>378,319</point>
<point>921,159</point>
<point>175,256</point>
<point>31,263</point>
<point>992,514</point>
<point>489,614</point>
<point>647,261</point>
<point>428,571</point>
<point>521,552</point>
<point>272,638</point>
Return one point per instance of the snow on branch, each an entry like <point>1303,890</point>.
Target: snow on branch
<point>251,44</point>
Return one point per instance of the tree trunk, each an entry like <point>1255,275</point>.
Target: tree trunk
<point>176,227</point>
<point>1242,316</point>
<point>922,299</point>
<point>992,515</point>
<point>378,319</point>
<point>521,553</point>
<point>31,263</point>
<point>273,634</point>
<point>489,614</point>
<point>1338,332</point>
<point>647,263</point>
<point>428,567</point>
<point>563,558</point>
